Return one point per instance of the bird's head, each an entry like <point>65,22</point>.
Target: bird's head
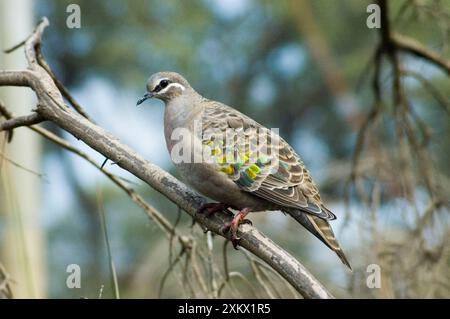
<point>165,86</point>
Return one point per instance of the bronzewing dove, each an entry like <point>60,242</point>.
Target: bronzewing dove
<point>232,159</point>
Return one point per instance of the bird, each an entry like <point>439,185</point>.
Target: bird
<point>237,162</point>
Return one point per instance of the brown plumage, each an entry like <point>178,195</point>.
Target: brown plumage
<point>252,169</point>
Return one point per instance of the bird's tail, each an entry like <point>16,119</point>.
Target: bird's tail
<point>321,229</point>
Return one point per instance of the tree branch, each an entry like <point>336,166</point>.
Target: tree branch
<point>16,78</point>
<point>409,45</point>
<point>51,107</point>
<point>65,92</point>
<point>26,120</point>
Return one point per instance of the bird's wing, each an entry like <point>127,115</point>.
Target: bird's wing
<point>258,160</point>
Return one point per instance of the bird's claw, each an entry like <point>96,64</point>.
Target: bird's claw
<point>226,228</point>
<point>233,226</point>
<point>234,238</point>
<point>211,208</point>
<point>235,241</point>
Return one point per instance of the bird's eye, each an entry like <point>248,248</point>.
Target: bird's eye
<point>163,83</point>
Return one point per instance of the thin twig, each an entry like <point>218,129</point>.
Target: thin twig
<point>259,279</point>
<point>210,261</point>
<point>414,47</point>
<point>246,281</point>
<point>267,279</point>
<point>65,92</point>
<point>196,269</point>
<point>168,271</point>
<point>172,233</point>
<point>12,162</point>
<point>26,120</point>
<point>225,268</point>
<point>112,267</point>
<point>438,96</point>
<point>263,266</point>
<point>186,278</point>
<point>14,48</point>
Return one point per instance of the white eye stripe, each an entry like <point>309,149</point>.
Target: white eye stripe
<point>172,85</point>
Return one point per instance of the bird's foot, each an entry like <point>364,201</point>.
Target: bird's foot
<point>233,226</point>
<point>211,208</point>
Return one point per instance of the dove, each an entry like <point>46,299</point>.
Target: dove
<point>237,162</point>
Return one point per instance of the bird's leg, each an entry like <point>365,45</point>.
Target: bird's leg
<point>238,219</point>
<point>211,208</point>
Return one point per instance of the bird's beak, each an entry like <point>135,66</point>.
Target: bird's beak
<point>146,96</point>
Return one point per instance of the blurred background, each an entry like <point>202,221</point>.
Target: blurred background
<point>305,67</point>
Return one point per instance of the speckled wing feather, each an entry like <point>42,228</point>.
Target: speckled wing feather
<point>259,161</point>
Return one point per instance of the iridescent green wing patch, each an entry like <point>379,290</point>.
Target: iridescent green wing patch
<point>261,163</point>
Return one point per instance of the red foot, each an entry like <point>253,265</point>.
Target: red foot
<point>238,219</point>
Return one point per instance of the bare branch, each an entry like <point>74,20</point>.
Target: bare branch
<point>16,78</point>
<point>7,115</point>
<point>438,96</point>
<point>14,48</point>
<point>5,112</point>
<point>65,92</point>
<point>33,41</point>
<point>414,47</point>
<point>225,268</point>
<point>26,120</point>
<point>14,163</point>
<point>166,274</point>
